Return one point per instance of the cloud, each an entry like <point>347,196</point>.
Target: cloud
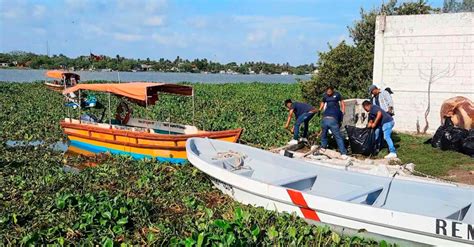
<point>39,31</point>
<point>148,6</point>
<point>335,40</point>
<point>259,20</point>
<point>77,5</point>
<point>157,20</point>
<point>272,31</point>
<point>264,37</point>
<point>173,39</point>
<point>278,33</point>
<point>256,36</point>
<point>198,22</point>
<point>39,10</point>
<point>222,32</point>
<point>11,13</point>
<point>155,5</point>
<point>93,29</point>
<point>127,37</point>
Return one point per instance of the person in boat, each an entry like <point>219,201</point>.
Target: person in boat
<point>380,118</point>
<point>382,98</point>
<point>73,81</point>
<point>303,113</point>
<point>334,109</point>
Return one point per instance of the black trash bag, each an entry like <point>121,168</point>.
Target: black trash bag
<point>468,144</point>
<point>453,138</point>
<point>440,132</point>
<point>362,140</point>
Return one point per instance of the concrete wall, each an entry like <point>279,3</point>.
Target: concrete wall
<point>355,114</point>
<point>418,54</point>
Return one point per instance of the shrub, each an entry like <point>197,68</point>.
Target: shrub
<point>345,67</point>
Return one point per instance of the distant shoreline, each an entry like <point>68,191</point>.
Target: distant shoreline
<point>150,71</point>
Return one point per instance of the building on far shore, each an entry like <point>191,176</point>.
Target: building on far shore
<point>146,67</point>
<point>3,65</point>
<point>424,59</point>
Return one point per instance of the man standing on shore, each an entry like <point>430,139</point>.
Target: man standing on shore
<point>304,113</point>
<point>377,118</point>
<point>334,109</point>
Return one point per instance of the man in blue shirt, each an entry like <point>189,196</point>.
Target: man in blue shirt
<point>334,108</point>
<point>303,112</point>
<point>377,118</point>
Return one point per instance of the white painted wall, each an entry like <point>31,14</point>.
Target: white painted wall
<point>408,49</point>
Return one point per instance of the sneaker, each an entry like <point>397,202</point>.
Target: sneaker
<point>344,157</point>
<point>293,142</point>
<point>304,140</point>
<point>391,156</point>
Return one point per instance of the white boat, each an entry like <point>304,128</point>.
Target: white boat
<point>403,211</point>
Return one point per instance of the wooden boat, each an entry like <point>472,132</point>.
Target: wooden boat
<point>139,138</point>
<point>61,79</point>
<point>408,212</point>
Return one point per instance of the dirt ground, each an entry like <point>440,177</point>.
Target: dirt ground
<point>461,175</point>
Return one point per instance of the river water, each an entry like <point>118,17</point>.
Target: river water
<point>27,75</point>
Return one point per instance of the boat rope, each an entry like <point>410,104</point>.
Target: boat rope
<point>388,189</point>
<point>350,163</point>
<point>429,176</point>
<point>238,159</point>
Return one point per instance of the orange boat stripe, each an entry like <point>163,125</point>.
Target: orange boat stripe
<point>298,199</point>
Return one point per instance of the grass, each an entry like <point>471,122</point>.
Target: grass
<point>435,162</point>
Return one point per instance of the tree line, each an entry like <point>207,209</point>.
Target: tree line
<point>119,63</point>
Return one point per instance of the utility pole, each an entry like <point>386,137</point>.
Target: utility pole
<point>47,48</point>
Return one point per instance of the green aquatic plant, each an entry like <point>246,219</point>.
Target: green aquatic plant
<point>29,111</point>
<point>123,201</point>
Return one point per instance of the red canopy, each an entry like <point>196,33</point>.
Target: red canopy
<point>60,74</point>
<point>141,92</point>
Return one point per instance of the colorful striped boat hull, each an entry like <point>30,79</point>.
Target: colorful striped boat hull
<point>100,138</point>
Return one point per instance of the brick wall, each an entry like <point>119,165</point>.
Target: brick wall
<point>411,51</point>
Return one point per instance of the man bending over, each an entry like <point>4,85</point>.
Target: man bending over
<point>377,118</point>
<point>304,113</point>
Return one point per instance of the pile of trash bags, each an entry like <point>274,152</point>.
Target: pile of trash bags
<point>362,140</point>
<point>450,137</point>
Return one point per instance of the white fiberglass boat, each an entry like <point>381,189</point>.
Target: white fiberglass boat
<point>408,211</point>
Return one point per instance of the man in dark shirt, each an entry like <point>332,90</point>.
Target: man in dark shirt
<point>377,118</point>
<point>303,112</point>
<point>334,108</point>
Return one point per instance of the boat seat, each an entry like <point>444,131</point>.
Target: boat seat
<point>297,182</point>
<point>362,195</point>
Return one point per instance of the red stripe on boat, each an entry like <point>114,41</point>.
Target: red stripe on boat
<point>298,199</point>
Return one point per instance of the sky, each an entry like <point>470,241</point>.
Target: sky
<point>276,31</point>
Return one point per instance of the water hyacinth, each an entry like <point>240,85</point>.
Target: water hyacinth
<point>125,201</point>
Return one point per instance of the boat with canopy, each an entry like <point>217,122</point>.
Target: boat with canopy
<point>139,138</point>
<point>411,213</point>
<point>61,79</point>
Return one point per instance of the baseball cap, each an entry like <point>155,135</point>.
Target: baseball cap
<point>371,88</point>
